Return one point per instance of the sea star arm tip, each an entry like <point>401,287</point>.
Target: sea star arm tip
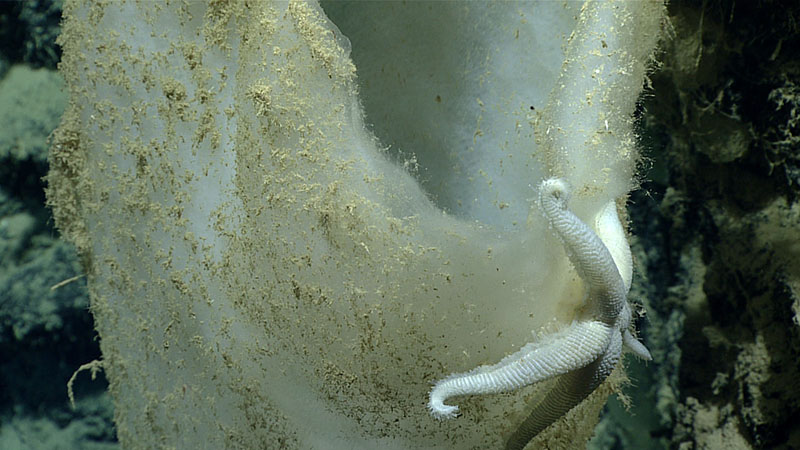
<point>636,347</point>
<point>438,409</point>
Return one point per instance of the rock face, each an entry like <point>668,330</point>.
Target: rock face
<point>727,101</point>
<point>717,233</point>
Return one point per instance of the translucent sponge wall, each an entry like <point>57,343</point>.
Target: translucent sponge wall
<point>289,234</point>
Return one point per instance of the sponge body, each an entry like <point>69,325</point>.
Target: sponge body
<point>264,271</point>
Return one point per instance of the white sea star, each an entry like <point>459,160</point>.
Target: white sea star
<point>587,351</point>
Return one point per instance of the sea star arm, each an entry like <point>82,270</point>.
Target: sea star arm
<point>592,260</point>
<point>635,346</point>
<point>571,389</point>
<point>563,352</point>
<point>603,261</point>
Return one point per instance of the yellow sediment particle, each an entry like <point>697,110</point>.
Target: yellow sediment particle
<point>321,41</point>
<point>261,95</point>
<point>216,19</point>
